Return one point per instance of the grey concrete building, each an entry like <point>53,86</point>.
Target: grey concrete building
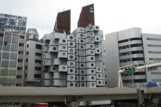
<point>88,70</point>
<point>33,58</point>
<point>12,22</point>
<point>55,59</point>
<point>12,46</point>
<point>73,60</point>
<point>131,47</point>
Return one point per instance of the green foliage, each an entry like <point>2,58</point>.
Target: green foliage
<point>131,70</point>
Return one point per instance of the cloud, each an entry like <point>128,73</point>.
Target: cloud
<point>111,15</point>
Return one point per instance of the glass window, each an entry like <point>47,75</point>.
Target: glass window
<point>12,22</point>
<point>12,72</point>
<point>4,72</point>
<point>14,47</point>
<point>13,63</point>
<point>20,60</point>
<point>21,44</point>
<point>6,46</point>
<point>13,56</point>
<point>15,39</point>
<point>19,68</point>
<point>5,63</point>
<point>7,38</point>
<point>0,56</point>
<point>1,44</point>
<point>22,36</point>
<point>5,55</point>
<point>38,46</point>
<point>21,22</point>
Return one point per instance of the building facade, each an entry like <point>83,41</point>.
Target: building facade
<point>12,46</point>
<point>74,60</point>
<point>33,58</point>
<point>131,47</point>
<point>54,59</point>
<point>89,71</point>
<point>12,22</point>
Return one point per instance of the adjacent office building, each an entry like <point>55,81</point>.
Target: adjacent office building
<point>12,46</point>
<point>12,22</point>
<point>54,59</point>
<point>33,58</point>
<point>132,47</point>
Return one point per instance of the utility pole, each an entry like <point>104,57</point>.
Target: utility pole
<point>131,71</point>
<point>140,97</point>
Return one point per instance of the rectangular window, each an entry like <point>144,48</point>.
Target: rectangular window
<point>27,53</point>
<point>38,76</point>
<point>38,54</point>
<point>19,68</point>
<point>5,55</point>
<point>13,56</point>
<point>15,39</point>
<point>21,44</point>
<point>22,37</point>
<point>154,52</point>
<point>20,60</point>
<point>156,59</point>
<point>38,46</point>
<point>14,47</point>
<point>18,76</point>
<point>6,46</point>
<point>37,68</point>
<point>47,41</point>
<point>13,63</point>
<point>5,63</point>
<point>38,61</point>
<point>154,39</point>
<point>20,52</point>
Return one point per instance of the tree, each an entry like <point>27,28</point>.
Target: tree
<point>131,70</point>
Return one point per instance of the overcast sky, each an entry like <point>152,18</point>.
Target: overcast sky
<point>110,15</point>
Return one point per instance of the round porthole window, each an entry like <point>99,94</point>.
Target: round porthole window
<point>92,64</point>
<point>71,37</point>
<point>64,40</point>
<point>71,70</point>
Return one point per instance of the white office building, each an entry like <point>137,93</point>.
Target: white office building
<point>33,58</point>
<point>132,47</point>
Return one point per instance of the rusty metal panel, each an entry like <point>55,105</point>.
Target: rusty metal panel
<point>86,16</point>
<point>62,23</point>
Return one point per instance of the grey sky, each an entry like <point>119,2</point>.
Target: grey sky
<point>111,15</point>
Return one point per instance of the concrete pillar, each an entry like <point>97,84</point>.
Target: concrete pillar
<point>140,95</point>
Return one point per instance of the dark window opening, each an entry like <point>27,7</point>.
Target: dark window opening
<point>37,76</point>
<point>47,41</point>
<point>18,76</point>
<point>38,68</point>
<point>38,54</point>
<point>21,44</point>
<point>38,46</point>
<point>38,61</point>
